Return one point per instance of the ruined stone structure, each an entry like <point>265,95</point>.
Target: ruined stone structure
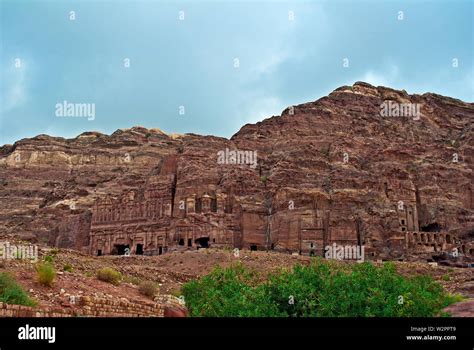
<point>90,306</point>
<point>159,217</point>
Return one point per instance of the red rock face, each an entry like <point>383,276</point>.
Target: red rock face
<point>365,166</point>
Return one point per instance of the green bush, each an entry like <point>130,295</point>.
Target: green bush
<point>12,293</point>
<point>323,289</point>
<point>48,259</point>
<point>54,251</point>
<point>45,273</point>
<point>108,274</point>
<point>68,268</point>
<point>228,292</point>
<point>148,288</point>
<point>132,279</point>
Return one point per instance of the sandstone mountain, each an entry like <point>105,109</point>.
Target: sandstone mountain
<point>330,171</point>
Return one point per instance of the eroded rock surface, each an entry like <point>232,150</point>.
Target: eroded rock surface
<point>324,172</point>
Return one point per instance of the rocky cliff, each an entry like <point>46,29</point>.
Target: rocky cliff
<point>344,169</point>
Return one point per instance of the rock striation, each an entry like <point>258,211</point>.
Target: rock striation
<point>334,171</point>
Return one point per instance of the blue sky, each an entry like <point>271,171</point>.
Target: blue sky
<point>283,60</point>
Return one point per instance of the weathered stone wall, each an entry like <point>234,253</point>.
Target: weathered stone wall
<point>95,307</point>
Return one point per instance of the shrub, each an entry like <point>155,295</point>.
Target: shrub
<point>68,268</point>
<point>132,279</point>
<point>108,274</point>
<point>12,293</point>
<point>322,289</point>
<point>54,251</point>
<point>176,292</point>
<point>48,259</point>
<point>231,292</point>
<point>45,273</point>
<point>148,288</point>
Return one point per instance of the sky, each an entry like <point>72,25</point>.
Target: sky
<point>209,67</point>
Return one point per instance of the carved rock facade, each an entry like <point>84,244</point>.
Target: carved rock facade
<point>329,171</point>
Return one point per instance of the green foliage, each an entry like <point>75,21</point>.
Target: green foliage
<point>132,279</point>
<point>455,298</point>
<point>231,292</point>
<point>148,288</point>
<point>68,268</point>
<point>323,289</point>
<point>175,292</point>
<point>108,274</point>
<point>54,252</point>
<point>45,273</point>
<point>12,293</point>
<point>48,259</point>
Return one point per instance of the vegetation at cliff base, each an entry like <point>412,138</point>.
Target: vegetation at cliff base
<point>45,273</point>
<point>148,288</point>
<point>12,293</point>
<point>322,289</point>
<point>110,275</point>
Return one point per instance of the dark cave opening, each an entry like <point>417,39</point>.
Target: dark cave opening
<point>433,227</point>
<point>203,242</point>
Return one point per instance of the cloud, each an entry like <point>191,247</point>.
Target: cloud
<point>266,107</point>
<point>14,87</point>
<point>259,107</point>
<point>387,78</point>
<point>270,64</point>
